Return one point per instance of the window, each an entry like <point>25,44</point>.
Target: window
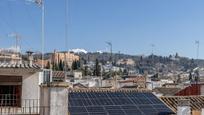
<point>10,95</point>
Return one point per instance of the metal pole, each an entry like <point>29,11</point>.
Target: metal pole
<point>198,46</point>
<point>66,38</point>
<point>111,51</point>
<point>16,43</point>
<point>101,74</point>
<point>111,48</point>
<point>66,24</point>
<point>43,31</point>
<point>66,45</point>
<point>152,46</point>
<point>198,49</point>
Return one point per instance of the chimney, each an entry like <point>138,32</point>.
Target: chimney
<point>202,111</point>
<point>30,57</point>
<point>184,107</point>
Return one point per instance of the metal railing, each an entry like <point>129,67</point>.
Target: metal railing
<point>9,100</point>
<point>27,107</point>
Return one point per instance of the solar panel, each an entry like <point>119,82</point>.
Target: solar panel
<point>116,103</point>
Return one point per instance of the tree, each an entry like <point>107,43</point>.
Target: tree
<point>177,55</point>
<point>197,76</point>
<point>48,66</point>
<point>55,67</point>
<point>125,72</point>
<point>61,65</point>
<point>85,69</point>
<point>141,58</point>
<point>78,64</point>
<point>170,56</point>
<point>52,65</point>
<point>97,68</point>
<point>74,65</point>
<point>120,72</point>
<point>190,77</point>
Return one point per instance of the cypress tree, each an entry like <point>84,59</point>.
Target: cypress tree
<point>74,65</point>
<point>61,66</point>
<point>48,66</point>
<point>97,68</point>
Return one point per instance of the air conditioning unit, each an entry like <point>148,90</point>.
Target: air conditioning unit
<point>46,76</point>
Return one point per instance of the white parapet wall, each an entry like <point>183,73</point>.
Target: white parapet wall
<point>202,112</point>
<point>54,99</point>
<point>183,110</point>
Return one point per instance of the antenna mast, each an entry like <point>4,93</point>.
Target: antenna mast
<point>66,38</point>
<point>198,46</point>
<point>152,46</point>
<point>17,41</point>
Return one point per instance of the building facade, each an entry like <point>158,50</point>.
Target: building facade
<point>66,57</point>
<point>19,88</point>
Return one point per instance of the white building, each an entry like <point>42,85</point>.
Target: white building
<point>19,88</point>
<point>77,74</point>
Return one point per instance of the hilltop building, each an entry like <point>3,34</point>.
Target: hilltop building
<point>125,62</point>
<point>56,58</point>
<point>66,57</point>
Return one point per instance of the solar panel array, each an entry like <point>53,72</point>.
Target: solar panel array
<point>116,103</point>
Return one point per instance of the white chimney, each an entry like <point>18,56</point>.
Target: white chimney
<point>202,113</point>
<point>184,107</point>
<point>30,57</point>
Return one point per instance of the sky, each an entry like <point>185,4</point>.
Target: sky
<point>131,25</point>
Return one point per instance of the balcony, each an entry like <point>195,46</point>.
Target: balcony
<point>9,106</point>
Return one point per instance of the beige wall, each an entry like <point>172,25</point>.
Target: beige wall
<point>30,86</point>
<point>30,92</point>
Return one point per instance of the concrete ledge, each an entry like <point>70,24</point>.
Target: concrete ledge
<point>55,84</point>
<point>108,90</point>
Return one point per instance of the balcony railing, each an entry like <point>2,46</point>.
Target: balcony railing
<point>10,100</point>
<point>27,107</point>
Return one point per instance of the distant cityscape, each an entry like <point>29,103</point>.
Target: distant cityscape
<point>165,77</point>
<point>103,82</point>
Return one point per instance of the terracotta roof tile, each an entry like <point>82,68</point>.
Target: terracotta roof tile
<point>19,65</point>
<point>58,74</point>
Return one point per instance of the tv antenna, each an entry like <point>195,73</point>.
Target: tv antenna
<point>197,50</point>
<point>152,46</point>
<point>17,41</point>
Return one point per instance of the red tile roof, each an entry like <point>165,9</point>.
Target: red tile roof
<point>193,89</point>
<point>58,74</point>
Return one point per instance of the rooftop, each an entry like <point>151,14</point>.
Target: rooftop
<point>115,102</point>
<point>166,91</point>
<point>196,102</point>
<point>19,65</point>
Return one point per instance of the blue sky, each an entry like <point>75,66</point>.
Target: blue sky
<point>131,25</point>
